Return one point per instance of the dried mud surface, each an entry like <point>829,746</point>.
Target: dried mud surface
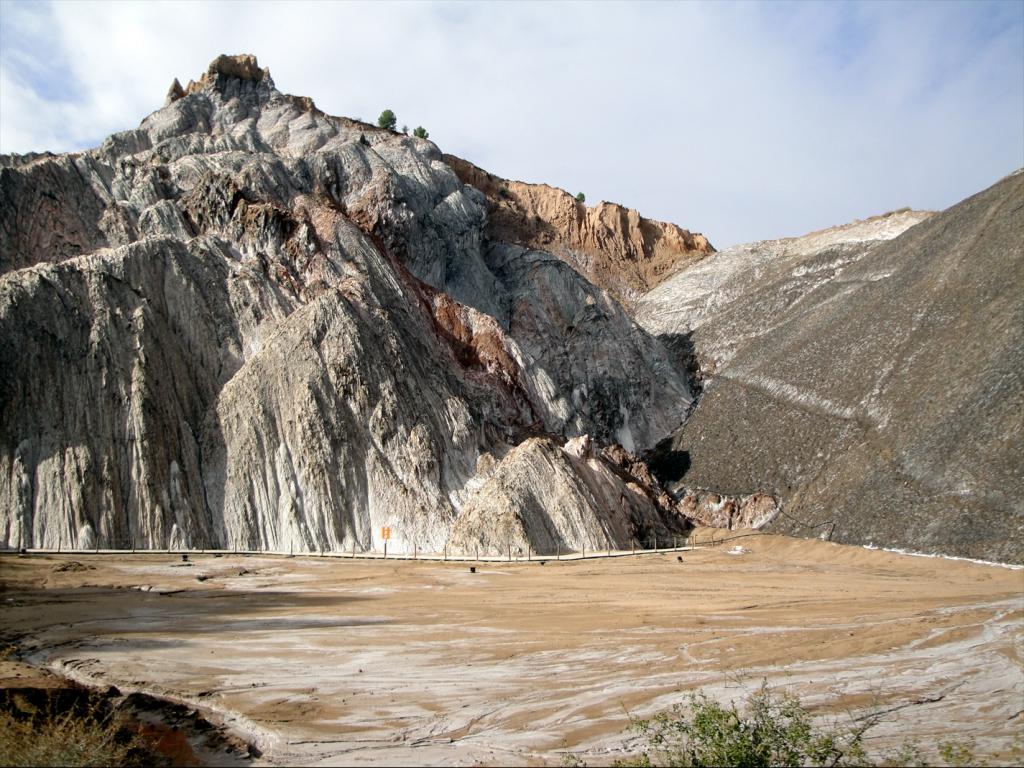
<point>323,661</point>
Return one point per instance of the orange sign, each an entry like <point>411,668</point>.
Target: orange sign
<point>385,532</point>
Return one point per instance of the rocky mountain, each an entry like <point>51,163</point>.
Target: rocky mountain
<point>248,323</point>
<point>871,376</point>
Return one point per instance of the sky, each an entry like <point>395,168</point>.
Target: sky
<point>744,121</point>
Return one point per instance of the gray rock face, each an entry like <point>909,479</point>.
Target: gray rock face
<point>876,386</point>
<point>551,499</point>
<point>247,323</point>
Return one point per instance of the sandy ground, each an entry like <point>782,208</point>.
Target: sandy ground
<point>327,662</point>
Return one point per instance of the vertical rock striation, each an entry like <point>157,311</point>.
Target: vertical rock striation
<point>248,323</point>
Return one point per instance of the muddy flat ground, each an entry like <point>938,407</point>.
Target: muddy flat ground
<point>337,662</point>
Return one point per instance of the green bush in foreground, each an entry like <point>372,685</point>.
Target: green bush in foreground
<point>772,729</point>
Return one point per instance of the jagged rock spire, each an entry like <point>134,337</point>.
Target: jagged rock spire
<point>225,68</point>
<point>174,93</point>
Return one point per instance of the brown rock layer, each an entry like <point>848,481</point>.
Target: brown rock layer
<point>717,511</point>
<point>241,67</point>
<point>612,246</point>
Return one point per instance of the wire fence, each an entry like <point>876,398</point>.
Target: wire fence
<point>707,538</point>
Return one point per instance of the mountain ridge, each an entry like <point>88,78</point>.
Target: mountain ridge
<point>247,323</point>
<point>612,246</point>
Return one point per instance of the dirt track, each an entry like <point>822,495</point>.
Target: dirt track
<point>324,661</point>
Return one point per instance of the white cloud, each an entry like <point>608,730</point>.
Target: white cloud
<point>741,121</point>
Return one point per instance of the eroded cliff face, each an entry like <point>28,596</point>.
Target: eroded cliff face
<point>248,323</point>
<point>612,246</point>
<point>539,497</point>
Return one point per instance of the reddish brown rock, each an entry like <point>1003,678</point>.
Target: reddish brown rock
<point>612,246</point>
<point>730,512</point>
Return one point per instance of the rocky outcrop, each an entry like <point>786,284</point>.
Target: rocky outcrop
<point>248,323</point>
<point>730,512</point>
<point>50,211</point>
<point>548,498</point>
<point>224,69</point>
<point>612,246</point>
<point>872,382</point>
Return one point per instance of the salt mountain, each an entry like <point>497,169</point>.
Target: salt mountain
<point>247,323</point>
<point>250,324</point>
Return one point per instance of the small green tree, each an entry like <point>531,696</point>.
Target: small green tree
<point>387,120</point>
<point>580,197</point>
<point>420,132</point>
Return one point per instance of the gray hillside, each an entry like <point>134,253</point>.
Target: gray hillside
<point>877,386</point>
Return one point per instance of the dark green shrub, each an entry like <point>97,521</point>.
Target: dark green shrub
<point>580,197</point>
<point>420,132</point>
<point>771,730</point>
<point>387,120</point>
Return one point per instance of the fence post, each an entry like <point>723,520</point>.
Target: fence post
<point>385,549</point>
<point>583,549</point>
<point>416,551</point>
<point>478,553</point>
<point>655,542</point>
<point>632,545</point>
<point>510,551</point>
<point>558,550</point>
<point>353,547</point>
<point>529,552</point>
<point>445,556</point>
